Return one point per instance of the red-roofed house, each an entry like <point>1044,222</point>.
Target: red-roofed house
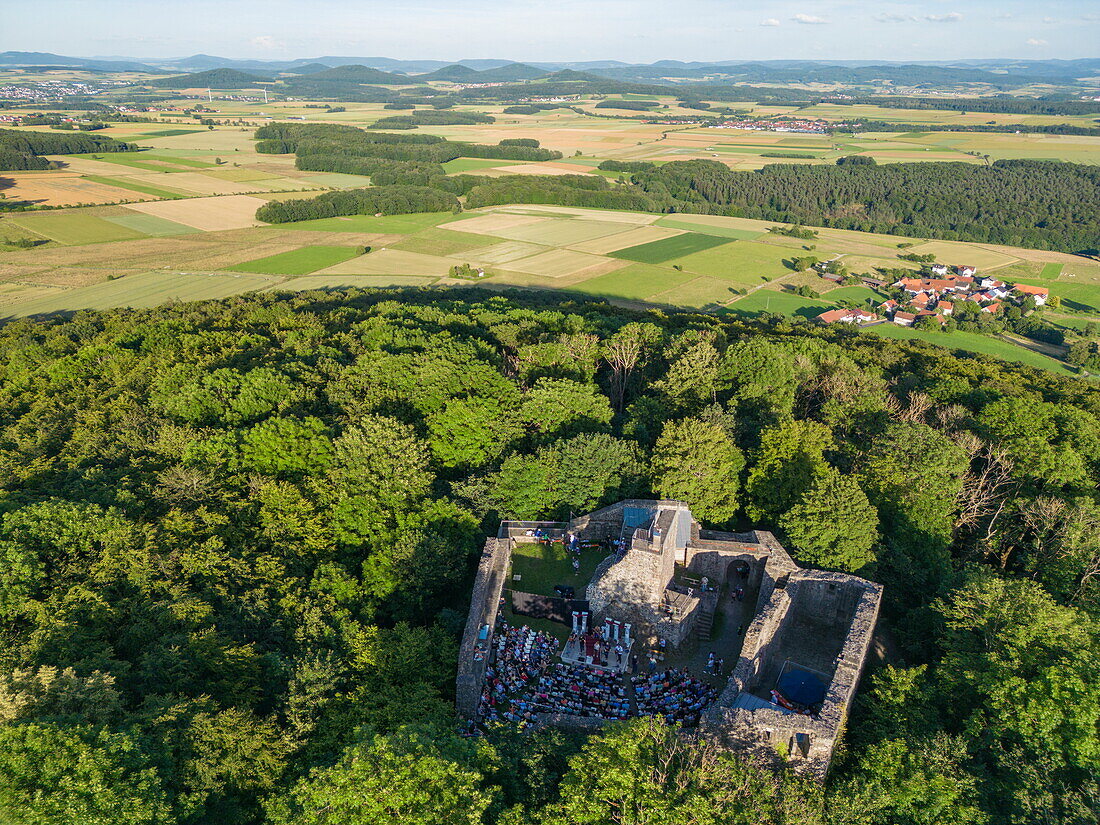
<point>904,319</point>
<point>1039,293</point>
<point>966,270</point>
<point>945,307</point>
<point>921,300</point>
<point>992,308</point>
<point>846,316</point>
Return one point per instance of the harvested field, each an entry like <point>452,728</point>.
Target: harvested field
<point>299,261</point>
<point>623,240</point>
<point>656,252</point>
<point>443,242</point>
<point>963,254</point>
<point>396,224</point>
<point>563,232</point>
<point>542,169</point>
<point>557,263</point>
<point>535,209</point>
<point>392,262</point>
<point>208,214</point>
<point>307,282</point>
<point>201,183</point>
<point>239,175</point>
<point>494,223</point>
<point>132,185</point>
<point>62,189</point>
<point>503,253</point>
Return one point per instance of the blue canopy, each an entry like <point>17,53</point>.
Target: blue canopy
<point>802,687</point>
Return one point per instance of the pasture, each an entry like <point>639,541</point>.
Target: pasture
<point>677,246</point>
<point>207,214</point>
<point>75,229</point>
<point>300,261</point>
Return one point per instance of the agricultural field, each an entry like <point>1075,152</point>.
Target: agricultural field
<point>712,263</point>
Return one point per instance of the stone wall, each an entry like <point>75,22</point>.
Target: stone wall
<point>484,603</point>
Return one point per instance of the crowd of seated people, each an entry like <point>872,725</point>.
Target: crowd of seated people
<point>580,691</point>
<point>520,655</point>
<point>674,694</point>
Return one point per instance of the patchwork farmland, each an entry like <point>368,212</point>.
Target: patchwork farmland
<point>143,253</point>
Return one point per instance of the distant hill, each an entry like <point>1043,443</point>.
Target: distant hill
<point>454,73</point>
<point>513,71</point>
<point>212,79</point>
<point>570,74</point>
<point>358,74</point>
<point>49,59</point>
<point>308,68</point>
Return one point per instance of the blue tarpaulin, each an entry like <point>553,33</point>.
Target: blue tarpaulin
<point>802,687</point>
<point>635,517</point>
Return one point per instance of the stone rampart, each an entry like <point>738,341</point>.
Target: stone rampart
<point>484,603</point>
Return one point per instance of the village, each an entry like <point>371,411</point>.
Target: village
<point>937,297</point>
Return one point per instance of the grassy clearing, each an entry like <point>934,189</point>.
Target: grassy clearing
<point>637,282</point>
<point>394,262</point>
<point>541,566</point>
<point>395,224</point>
<point>972,342</point>
<point>1051,271</point>
<point>299,261</point>
<point>783,303</point>
<point>75,228</point>
<point>698,293</point>
<point>145,290</point>
<point>709,229</point>
<point>743,262</point>
<point>858,294</point>
<point>656,252</point>
<point>134,186</point>
<point>963,254</point>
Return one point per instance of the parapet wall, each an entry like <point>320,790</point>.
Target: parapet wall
<point>484,603</point>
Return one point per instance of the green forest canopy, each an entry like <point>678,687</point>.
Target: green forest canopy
<point>236,539</point>
<point>22,149</point>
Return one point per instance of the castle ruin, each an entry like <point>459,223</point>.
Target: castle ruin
<point>800,634</point>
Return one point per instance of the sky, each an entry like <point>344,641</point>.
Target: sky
<point>637,31</point>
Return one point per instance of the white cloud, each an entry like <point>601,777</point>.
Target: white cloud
<point>266,41</point>
<point>887,17</point>
<point>1035,41</point>
<point>771,21</point>
<point>809,19</point>
<point>950,17</point>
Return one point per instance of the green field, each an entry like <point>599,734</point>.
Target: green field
<point>306,282</point>
<point>396,224</point>
<point>299,261</point>
<point>459,165</point>
<point>743,262</point>
<point>134,186</point>
<point>783,303</point>
<point>74,228</point>
<point>859,294</point>
<point>167,133</point>
<point>145,290</point>
<point>709,229</point>
<point>973,342</point>
<point>656,252</point>
<point>151,225</point>
<point>637,281</point>
<point>1052,271</point>
<point>541,566</point>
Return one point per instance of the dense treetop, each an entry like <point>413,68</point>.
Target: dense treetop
<point>236,540</point>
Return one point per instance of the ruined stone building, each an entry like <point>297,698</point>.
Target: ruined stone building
<point>803,628</point>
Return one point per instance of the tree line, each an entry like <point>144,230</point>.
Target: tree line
<point>23,150</point>
<point>1036,204</point>
<point>236,539</point>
